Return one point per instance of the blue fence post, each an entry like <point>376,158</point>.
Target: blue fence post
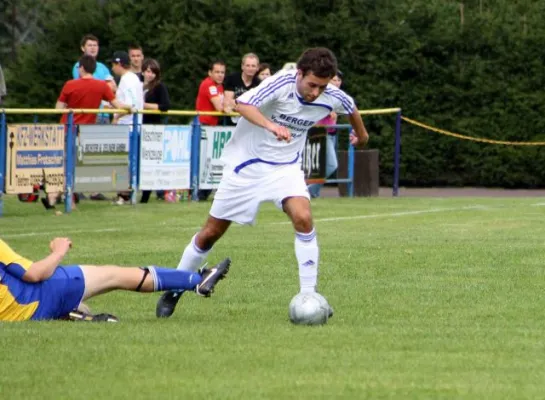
<point>351,160</point>
<point>397,154</point>
<point>3,151</point>
<point>69,163</point>
<point>134,144</point>
<point>195,157</point>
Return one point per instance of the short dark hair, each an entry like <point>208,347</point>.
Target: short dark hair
<point>88,63</point>
<point>134,46</point>
<point>318,60</point>
<point>88,37</point>
<point>216,62</point>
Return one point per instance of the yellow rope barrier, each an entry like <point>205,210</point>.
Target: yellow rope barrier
<point>474,139</point>
<point>171,112</point>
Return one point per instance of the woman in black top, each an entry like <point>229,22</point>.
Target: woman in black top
<point>155,98</point>
<point>155,92</point>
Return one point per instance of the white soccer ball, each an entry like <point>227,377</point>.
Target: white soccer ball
<point>309,309</point>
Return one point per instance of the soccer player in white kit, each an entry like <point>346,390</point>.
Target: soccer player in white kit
<point>262,162</point>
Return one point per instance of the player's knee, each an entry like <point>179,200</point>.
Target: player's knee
<point>302,221</point>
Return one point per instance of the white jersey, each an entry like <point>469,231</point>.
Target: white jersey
<point>130,92</point>
<point>277,98</point>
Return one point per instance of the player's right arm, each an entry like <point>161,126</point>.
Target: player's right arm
<point>252,114</point>
<point>43,269</point>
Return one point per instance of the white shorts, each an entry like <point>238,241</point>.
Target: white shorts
<point>239,195</point>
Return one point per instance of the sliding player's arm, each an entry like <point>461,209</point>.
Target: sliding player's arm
<point>252,114</point>
<point>29,271</point>
<point>43,269</point>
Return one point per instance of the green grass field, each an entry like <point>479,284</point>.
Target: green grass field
<point>433,299</point>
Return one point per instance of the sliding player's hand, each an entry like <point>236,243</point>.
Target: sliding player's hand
<point>60,245</point>
<point>281,132</point>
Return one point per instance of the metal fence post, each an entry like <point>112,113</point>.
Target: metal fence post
<point>3,151</point>
<point>69,163</point>
<point>397,155</point>
<point>351,161</point>
<point>134,145</point>
<point>195,158</point>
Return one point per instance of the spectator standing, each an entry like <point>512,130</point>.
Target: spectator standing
<point>331,162</point>
<point>264,71</point>
<point>86,92</point>
<point>136,55</point>
<point>155,98</point>
<point>210,96</point>
<point>130,90</point>
<point>239,83</point>
<point>90,46</point>
<point>155,91</point>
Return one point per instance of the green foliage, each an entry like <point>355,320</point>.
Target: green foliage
<point>476,69</point>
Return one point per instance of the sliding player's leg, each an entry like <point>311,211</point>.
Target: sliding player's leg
<point>103,279</point>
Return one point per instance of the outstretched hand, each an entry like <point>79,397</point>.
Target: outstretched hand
<point>60,245</point>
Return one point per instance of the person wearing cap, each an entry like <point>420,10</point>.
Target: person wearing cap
<point>331,163</point>
<point>130,90</point>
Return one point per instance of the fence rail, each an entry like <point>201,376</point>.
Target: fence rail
<point>134,137</point>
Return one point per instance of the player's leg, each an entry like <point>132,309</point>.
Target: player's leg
<point>103,279</point>
<point>306,244</point>
<point>235,201</point>
<point>193,257</point>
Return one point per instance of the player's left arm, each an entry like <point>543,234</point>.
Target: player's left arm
<point>359,135</point>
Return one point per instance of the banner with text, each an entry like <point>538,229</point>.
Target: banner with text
<point>213,140</point>
<point>165,156</point>
<point>102,158</point>
<point>314,155</point>
<point>35,152</point>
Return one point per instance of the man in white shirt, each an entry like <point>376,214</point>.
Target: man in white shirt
<point>130,90</point>
<point>263,161</point>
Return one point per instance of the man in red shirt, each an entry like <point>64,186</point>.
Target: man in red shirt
<point>210,97</point>
<point>86,92</point>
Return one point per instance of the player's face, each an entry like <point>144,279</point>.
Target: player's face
<point>250,66</point>
<point>264,74</point>
<point>336,81</point>
<point>149,75</point>
<point>90,48</point>
<point>310,86</point>
<point>217,73</point>
<point>136,57</point>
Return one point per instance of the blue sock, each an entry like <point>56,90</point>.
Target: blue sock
<point>174,279</point>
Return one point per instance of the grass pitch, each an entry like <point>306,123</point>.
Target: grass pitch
<point>433,298</point>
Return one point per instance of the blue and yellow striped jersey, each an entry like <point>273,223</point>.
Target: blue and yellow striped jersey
<point>18,299</point>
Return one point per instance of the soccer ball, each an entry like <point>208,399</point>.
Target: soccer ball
<point>309,309</point>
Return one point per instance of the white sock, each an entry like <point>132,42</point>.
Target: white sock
<point>193,257</point>
<point>307,253</point>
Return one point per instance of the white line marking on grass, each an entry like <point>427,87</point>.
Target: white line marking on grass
<point>396,214</point>
<point>538,204</point>
<point>61,232</point>
<point>101,230</point>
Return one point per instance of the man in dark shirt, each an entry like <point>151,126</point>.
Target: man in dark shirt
<point>238,83</point>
